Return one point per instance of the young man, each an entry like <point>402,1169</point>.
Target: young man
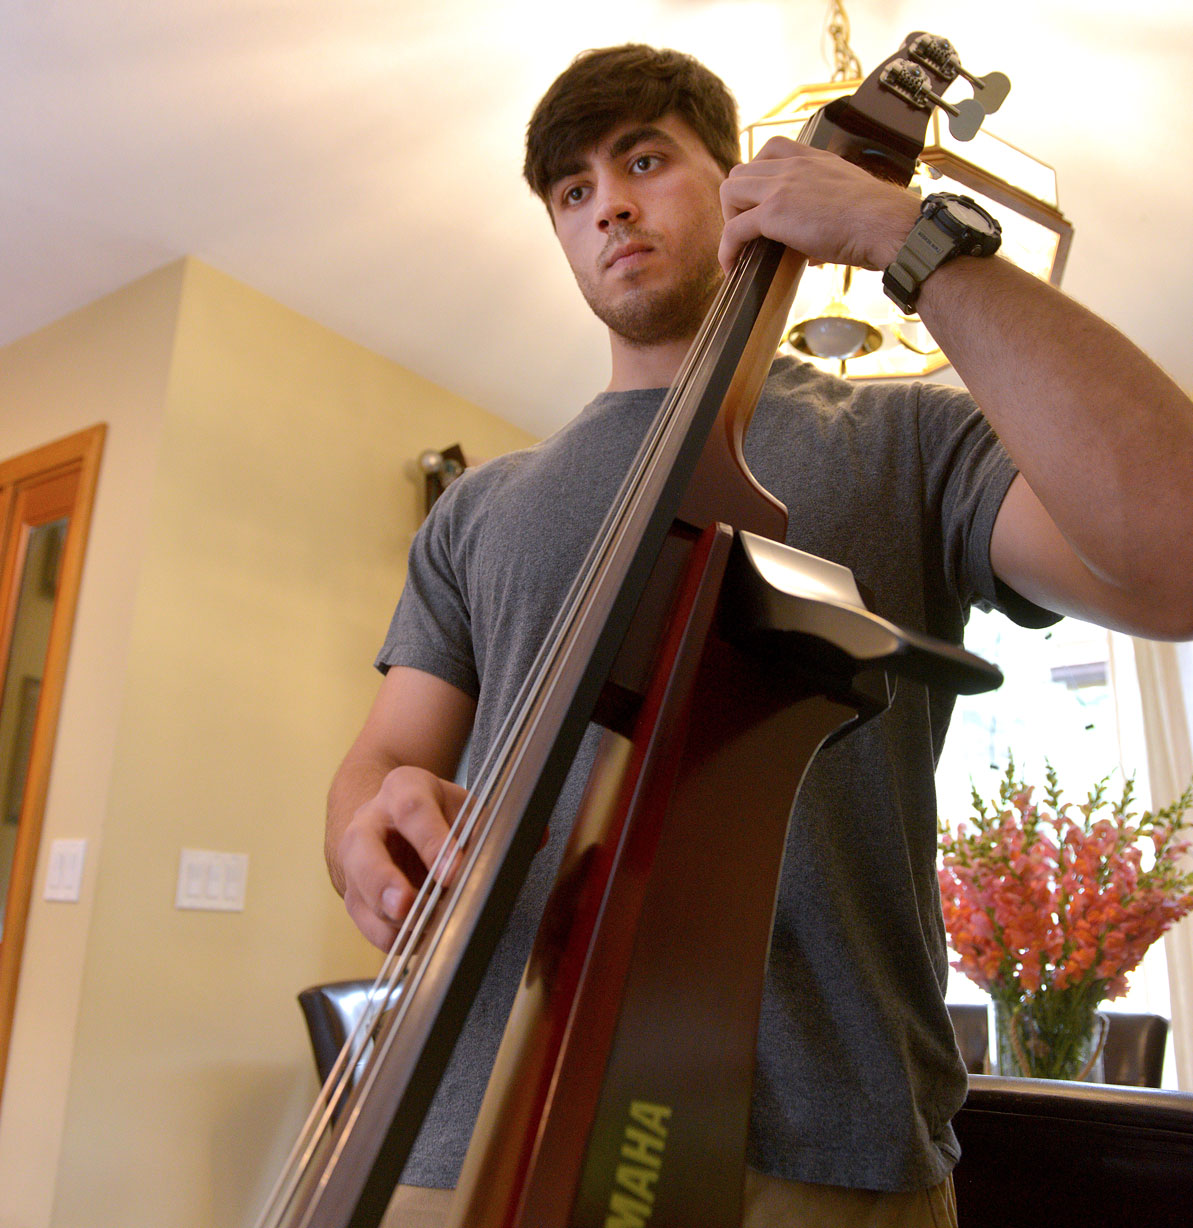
<point>1082,508</point>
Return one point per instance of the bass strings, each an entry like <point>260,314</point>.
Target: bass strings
<point>395,986</point>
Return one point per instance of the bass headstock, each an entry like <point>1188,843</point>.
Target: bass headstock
<point>882,126</point>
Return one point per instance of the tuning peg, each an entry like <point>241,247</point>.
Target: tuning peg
<point>939,55</point>
<point>991,90</point>
<point>910,82</point>
<point>965,118</point>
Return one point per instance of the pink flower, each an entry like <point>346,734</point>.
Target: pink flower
<point>1043,899</point>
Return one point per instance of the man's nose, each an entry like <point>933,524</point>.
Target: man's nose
<point>615,206</point>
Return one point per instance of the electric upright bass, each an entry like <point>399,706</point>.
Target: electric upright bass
<point>701,645</point>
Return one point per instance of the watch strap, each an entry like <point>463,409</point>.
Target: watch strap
<point>929,245</point>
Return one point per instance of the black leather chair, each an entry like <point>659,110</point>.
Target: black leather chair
<point>972,1031</point>
<point>1134,1051</point>
<point>1054,1154</point>
<point>1133,1055</point>
<point>331,1012</point>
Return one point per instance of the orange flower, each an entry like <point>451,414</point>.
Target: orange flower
<point>1042,900</point>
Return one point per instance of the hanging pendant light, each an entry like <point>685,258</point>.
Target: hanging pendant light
<point>841,331</point>
<point>838,308</point>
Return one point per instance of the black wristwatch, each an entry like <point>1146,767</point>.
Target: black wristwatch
<point>948,226</point>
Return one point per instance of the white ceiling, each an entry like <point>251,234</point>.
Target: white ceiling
<point>359,160</point>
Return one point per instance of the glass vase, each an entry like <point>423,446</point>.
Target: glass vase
<point>1042,1038</point>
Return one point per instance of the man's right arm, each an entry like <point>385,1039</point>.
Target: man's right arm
<point>393,796</point>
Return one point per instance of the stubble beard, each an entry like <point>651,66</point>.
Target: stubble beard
<point>649,316</point>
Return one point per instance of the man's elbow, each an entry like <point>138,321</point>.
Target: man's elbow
<point>1168,617</point>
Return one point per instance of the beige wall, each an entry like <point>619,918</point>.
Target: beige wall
<point>107,363</point>
<point>254,511</point>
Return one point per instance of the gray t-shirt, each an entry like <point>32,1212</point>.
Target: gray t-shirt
<point>858,1074</point>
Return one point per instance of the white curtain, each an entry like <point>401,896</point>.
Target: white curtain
<point>1165,679</point>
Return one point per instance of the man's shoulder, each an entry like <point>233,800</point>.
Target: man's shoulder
<point>479,482</point>
<point>792,378</point>
<point>601,437</point>
<point>800,396</point>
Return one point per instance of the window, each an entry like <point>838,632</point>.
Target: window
<point>1059,704</point>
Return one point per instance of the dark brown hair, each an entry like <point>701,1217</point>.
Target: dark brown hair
<point>613,85</point>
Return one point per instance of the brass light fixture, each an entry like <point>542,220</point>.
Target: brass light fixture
<point>439,470</point>
<point>841,320</point>
<point>842,330</point>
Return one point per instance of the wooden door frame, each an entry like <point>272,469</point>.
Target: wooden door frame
<point>80,452</point>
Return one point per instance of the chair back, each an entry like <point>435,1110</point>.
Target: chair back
<point>972,1030</point>
<point>1134,1052</point>
<point>1133,1055</point>
<point>331,1012</point>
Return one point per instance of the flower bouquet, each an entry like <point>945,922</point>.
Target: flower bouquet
<point>1049,906</point>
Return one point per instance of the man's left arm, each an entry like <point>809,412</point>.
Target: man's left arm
<point>1099,524</point>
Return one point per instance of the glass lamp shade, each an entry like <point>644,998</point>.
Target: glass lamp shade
<point>842,330</point>
<point>1015,187</point>
<point>834,335</point>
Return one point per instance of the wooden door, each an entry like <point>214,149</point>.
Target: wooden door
<point>45,511</point>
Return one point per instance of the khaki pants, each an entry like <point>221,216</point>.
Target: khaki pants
<point>770,1203</point>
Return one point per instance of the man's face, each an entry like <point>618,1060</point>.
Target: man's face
<point>639,219</point>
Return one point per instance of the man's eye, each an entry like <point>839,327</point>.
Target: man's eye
<point>573,195</point>
<point>644,162</point>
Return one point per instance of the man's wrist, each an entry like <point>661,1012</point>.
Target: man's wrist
<point>902,224</point>
<point>948,226</point>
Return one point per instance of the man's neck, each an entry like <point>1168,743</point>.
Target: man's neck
<point>654,366</point>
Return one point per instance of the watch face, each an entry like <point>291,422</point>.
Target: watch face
<point>969,215</point>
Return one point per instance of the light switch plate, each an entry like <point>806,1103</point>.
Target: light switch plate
<point>64,878</point>
<point>211,880</point>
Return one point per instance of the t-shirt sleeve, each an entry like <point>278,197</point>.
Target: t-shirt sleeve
<point>430,629</point>
<point>967,474</point>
